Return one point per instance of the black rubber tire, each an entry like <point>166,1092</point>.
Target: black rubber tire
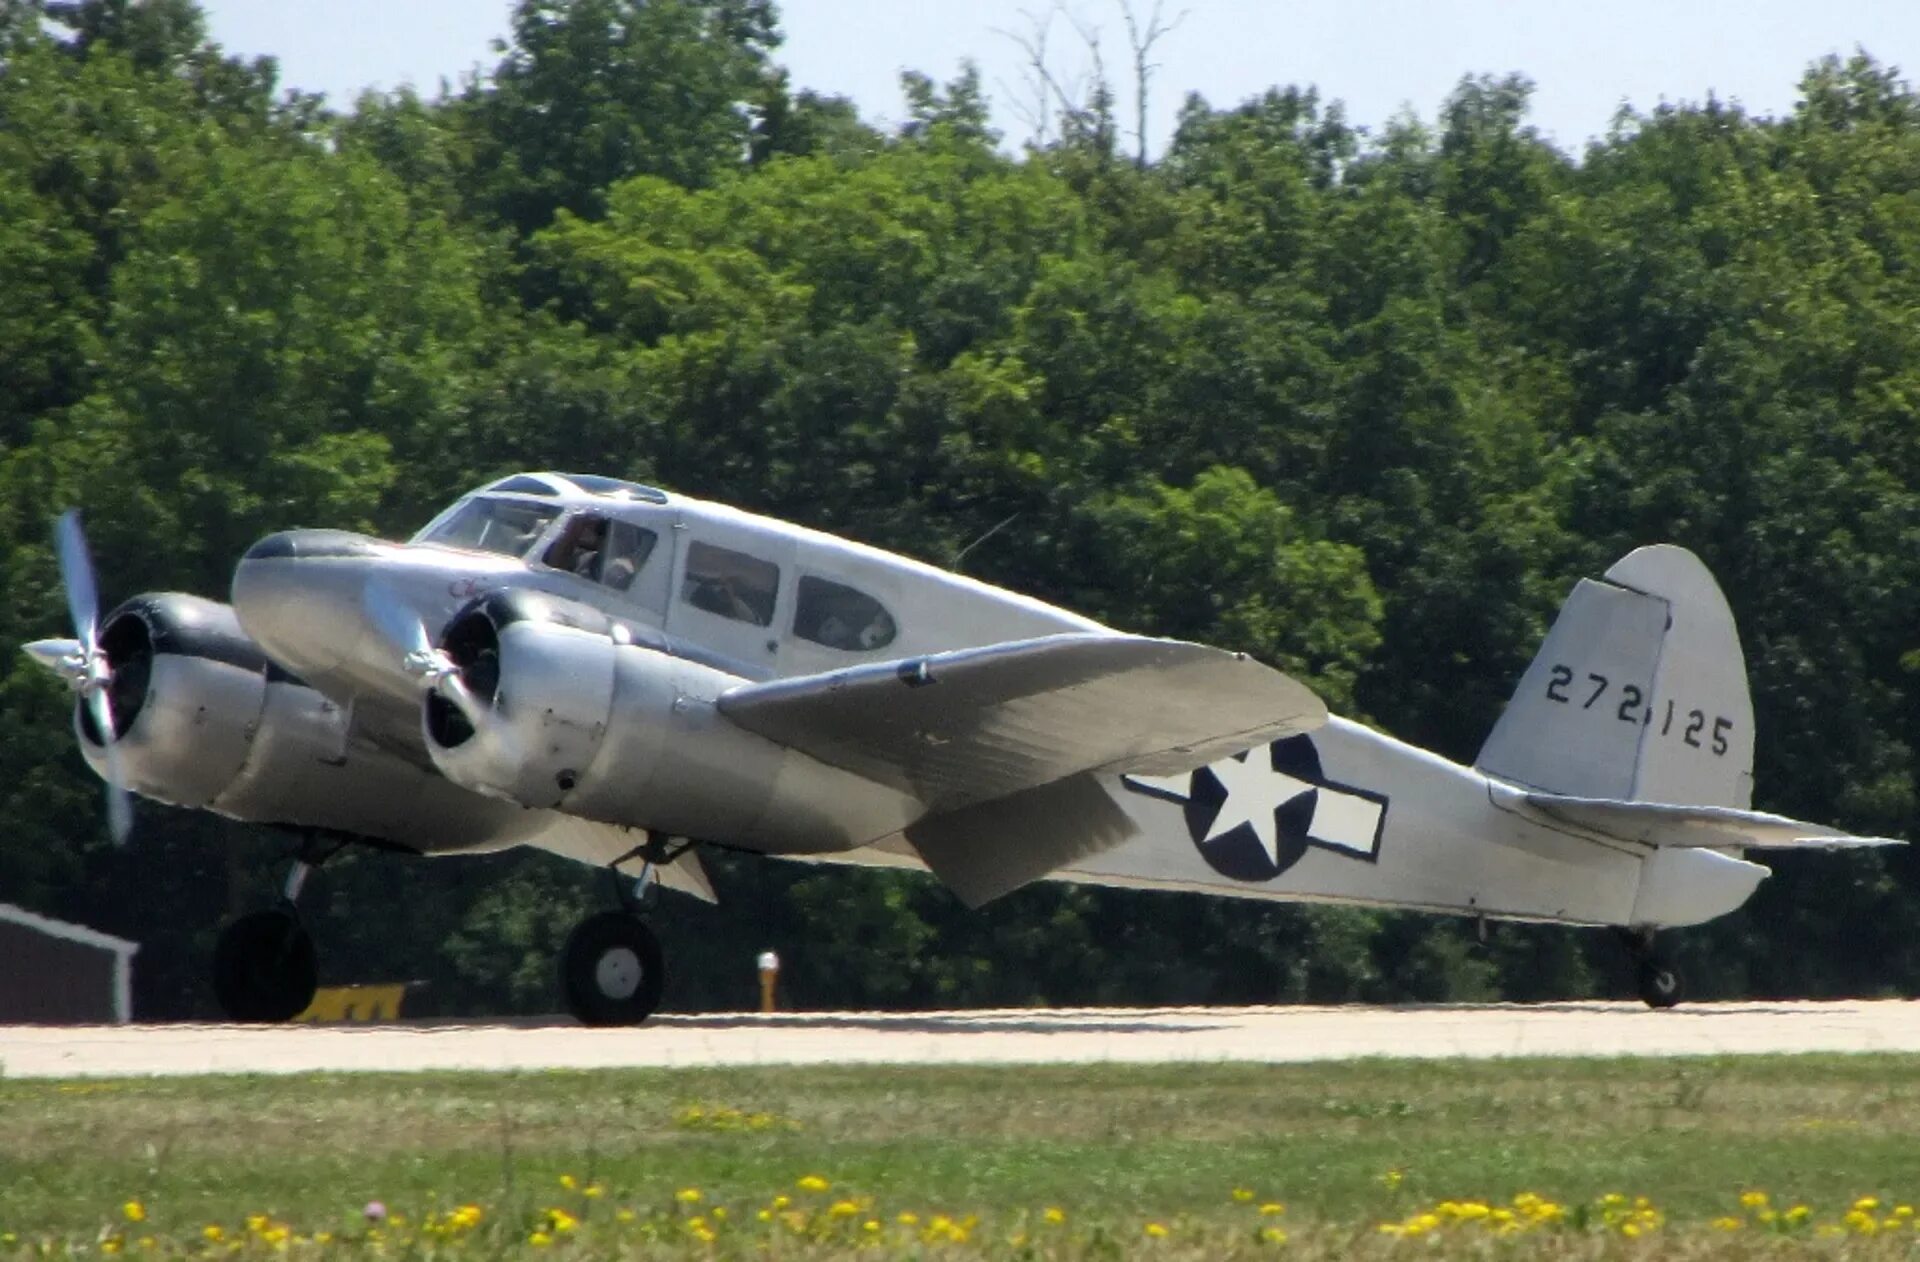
<point>263,968</point>
<point>612,971</point>
<point>1659,983</point>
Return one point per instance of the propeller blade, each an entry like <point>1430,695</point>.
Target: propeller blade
<point>76,574</point>
<point>119,809</point>
<point>455,689</point>
<point>394,618</point>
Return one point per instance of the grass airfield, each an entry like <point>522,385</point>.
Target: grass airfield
<point>1387,1158</point>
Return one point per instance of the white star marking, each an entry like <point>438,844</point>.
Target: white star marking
<point>1254,791</point>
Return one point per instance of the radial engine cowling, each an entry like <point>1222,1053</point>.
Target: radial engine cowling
<point>597,718</point>
<point>187,691</point>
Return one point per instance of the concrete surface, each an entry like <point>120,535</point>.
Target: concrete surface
<point>1027,1036</point>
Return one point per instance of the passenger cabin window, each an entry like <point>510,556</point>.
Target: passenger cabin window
<point>841,617</point>
<point>731,584</point>
<point>508,527</point>
<point>611,553</point>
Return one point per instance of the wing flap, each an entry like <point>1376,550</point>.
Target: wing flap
<point>1696,827</point>
<point>960,728</point>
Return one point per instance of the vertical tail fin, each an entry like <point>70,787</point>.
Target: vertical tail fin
<point>1639,692</point>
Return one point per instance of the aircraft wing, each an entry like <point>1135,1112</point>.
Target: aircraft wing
<point>1699,827</point>
<point>978,725</point>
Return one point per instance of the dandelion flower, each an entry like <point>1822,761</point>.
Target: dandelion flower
<point>593,1191</point>
<point>687,1196</point>
<point>112,1244</point>
<point>1055,1215</point>
<point>1243,1194</point>
<point>1753,1200</point>
<point>872,1225</point>
<point>1727,1224</point>
<point>1157,1231</point>
<point>568,1182</point>
<point>539,1240</point>
<point>812,1183</point>
<point>907,1218</point>
<point>1273,1235</point>
<point>213,1233</point>
<point>135,1212</point>
<point>1273,1207</point>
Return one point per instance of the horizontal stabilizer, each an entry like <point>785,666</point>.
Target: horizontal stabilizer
<point>955,729</point>
<point>1695,827</point>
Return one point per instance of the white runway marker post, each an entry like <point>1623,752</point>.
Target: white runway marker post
<point>769,979</point>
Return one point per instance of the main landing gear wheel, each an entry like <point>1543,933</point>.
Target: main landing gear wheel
<point>263,967</point>
<point>612,970</point>
<point>1659,982</point>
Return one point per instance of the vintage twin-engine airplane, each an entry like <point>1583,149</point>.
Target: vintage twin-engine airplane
<point>624,676</point>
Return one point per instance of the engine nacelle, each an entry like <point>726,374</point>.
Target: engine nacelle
<point>203,719</point>
<point>608,721</point>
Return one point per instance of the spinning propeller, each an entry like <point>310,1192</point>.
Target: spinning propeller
<point>85,665</point>
<point>436,671</point>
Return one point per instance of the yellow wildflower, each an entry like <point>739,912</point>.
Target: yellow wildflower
<point>593,1191</point>
<point>1157,1231</point>
<point>561,1221</point>
<point>1630,1230</point>
<point>112,1244</point>
<point>781,1202</point>
<point>1753,1200</point>
<point>568,1182</point>
<point>1727,1224</point>
<point>1392,1178</point>
<point>843,1209</point>
<point>148,1242</point>
<point>1054,1215</point>
<point>1273,1207</point>
<point>1273,1235</point>
<point>720,1213</point>
<point>1243,1194</point>
<point>871,1225</point>
<point>256,1223</point>
<point>908,1218</point>
<point>539,1240</point>
<point>1866,1203</point>
<point>135,1212</point>
<point>812,1183</point>
<point>687,1196</point>
<point>213,1233</point>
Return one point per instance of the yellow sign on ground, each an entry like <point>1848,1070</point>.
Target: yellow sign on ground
<point>356,1003</point>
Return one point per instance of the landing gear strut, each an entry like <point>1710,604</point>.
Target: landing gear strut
<point>1655,975</point>
<point>263,964</point>
<point>612,971</point>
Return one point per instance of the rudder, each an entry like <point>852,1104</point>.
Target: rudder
<point>1638,693</point>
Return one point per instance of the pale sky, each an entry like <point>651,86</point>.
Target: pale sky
<point>1376,55</point>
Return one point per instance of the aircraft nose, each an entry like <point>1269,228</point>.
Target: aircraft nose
<point>297,594</point>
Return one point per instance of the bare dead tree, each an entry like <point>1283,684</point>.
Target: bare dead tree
<point>1141,39</point>
<point>1083,103</point>
<point>1046,92</point>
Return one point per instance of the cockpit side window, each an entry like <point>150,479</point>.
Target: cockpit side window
<point>841,617</point>
<point>609,552</point>
<point>730,584</point>
<point>505,526</point>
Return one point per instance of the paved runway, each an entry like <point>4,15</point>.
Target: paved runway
<point>1026,1036</point>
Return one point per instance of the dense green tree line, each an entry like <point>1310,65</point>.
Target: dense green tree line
<point>1361,402</point>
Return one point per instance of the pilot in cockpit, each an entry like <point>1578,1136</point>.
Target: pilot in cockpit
<point>588,544</point>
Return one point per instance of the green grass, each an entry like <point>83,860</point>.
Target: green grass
<point>1119,1145</point>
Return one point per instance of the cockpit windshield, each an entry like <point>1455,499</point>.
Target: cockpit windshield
<point>506,526</point>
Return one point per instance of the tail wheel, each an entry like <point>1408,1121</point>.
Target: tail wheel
<point>612,971</point>
<point>1659,983</point>
<point>263,968</point>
